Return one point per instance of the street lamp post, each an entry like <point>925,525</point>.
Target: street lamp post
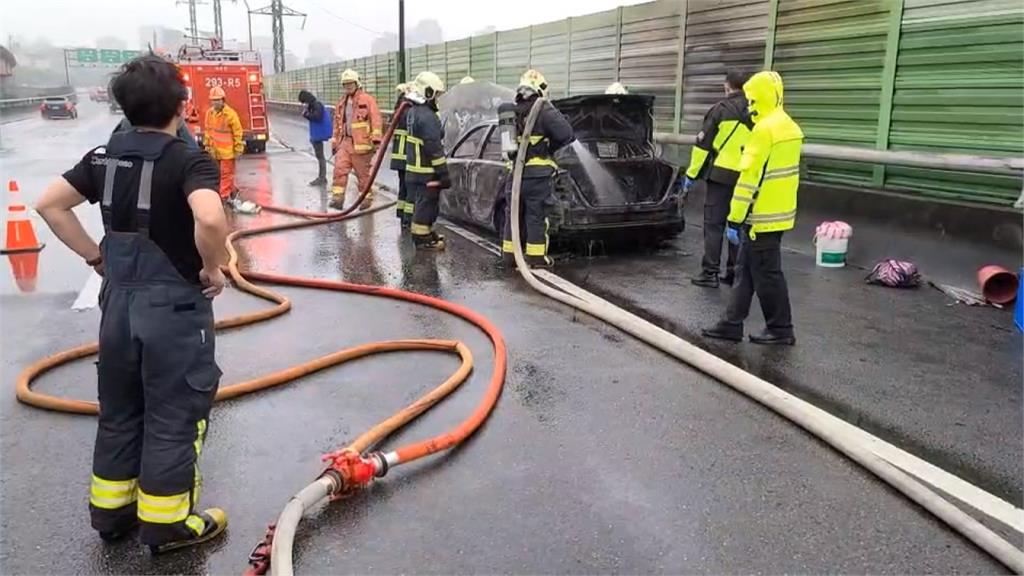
<point>401,41</point>
<point>248,13</point>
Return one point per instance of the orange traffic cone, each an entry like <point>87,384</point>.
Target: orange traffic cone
<point>20,235</point>
<point>26,269</point>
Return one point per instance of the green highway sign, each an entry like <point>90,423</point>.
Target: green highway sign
<point>92,57</point>
<point>86,55</point>
<point>110,56</point>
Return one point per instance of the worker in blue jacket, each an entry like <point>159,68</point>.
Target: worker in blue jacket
<point>319,131</point>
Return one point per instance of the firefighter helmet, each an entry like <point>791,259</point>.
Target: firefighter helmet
<point>534,81</point>
<point>217,93</point>
<point>401,88</point>
<point>467,80</point>
<point>350,75</point>
<point>616,88</point>
<point>428,84</point>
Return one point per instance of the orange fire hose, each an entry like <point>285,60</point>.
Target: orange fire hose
<point>349,468</point>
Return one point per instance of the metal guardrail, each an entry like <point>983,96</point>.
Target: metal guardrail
<point>19,102</point>
<point>934,160</point>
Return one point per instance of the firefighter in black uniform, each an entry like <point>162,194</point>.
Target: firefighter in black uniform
<point>160,259</point>
<point>716,159</point>
<point>550,132</point>
<point>426,169</point>
<point>404,208</point>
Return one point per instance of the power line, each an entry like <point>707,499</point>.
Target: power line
<point>345,20</point>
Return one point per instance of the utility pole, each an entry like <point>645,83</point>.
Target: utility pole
<point>401,41</point>
<point>277,11</point>
<point>192,22</point>
<point>218,27</point>
<point>248,14</point>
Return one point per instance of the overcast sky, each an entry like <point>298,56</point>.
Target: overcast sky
<point>350,25</point>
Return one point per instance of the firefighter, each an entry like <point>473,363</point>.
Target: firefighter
<point>550,132</point>
<point>616,88</point>
<point>715,158</point>
<point>160,259</point>
<point>426,170</point>
<point>222,133</point>
<point>357,132</point>
<point>319,118</point>
<point>763,207</point>
<point>404,208</point>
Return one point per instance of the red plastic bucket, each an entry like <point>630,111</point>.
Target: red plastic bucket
<point>998,285</point>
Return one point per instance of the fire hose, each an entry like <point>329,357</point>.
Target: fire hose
<point>845,439</point>
<point>351,467</point>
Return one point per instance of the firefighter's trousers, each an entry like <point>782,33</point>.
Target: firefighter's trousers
<point>345,161</point>
<point>157,380</point>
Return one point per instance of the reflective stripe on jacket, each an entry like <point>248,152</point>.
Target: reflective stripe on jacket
<point>765,196</point>
<point>398,139</point>
<point>424,151</point>
<point>725,131</point>
<point>367,126</point>
<point>551,131</point>
<point>222,134</point>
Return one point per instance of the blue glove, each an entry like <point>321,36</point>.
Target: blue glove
<point>732,232</point>
<point>688,184</point>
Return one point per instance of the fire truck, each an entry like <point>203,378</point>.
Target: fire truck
<point>240,74</point>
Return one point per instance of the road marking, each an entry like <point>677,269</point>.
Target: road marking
<point>89,296</point>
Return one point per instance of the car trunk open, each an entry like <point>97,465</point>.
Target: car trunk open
<point>613,163</point>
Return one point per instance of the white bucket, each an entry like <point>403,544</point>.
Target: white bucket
<point>831,251</point>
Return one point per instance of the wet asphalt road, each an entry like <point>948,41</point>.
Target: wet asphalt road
<point>603,456</point>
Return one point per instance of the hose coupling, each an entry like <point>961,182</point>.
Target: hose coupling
<point>351,471</point>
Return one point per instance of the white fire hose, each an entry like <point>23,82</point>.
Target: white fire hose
<point>859,446</point>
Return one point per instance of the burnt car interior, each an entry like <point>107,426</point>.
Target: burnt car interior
<point>618,131</point>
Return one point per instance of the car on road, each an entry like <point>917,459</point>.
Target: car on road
<point>611,185</point>
<point>58,107</point>
<point>99,95</point>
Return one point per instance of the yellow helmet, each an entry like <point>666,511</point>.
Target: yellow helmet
<point>467,80</point>
<point>401,88</point>
<point>616,88</point>
<point>533,80</point>
<point>350,75</point>
<point>217,93</point>
<point>428,81</point>
<point>764,94</point>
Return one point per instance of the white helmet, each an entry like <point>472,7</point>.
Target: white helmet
<point>616,88</point>
<point>532,81</point>
<point>467,80</point>
<point>350,75</point>
<point>428,85</point>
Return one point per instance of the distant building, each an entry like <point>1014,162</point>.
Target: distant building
<point>161,38</point>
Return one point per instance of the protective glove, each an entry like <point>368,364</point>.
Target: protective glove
<point>687,184</point>
<point>732,233</point>
<point>442,183</point>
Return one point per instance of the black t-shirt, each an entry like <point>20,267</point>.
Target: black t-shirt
<point>178,172</point>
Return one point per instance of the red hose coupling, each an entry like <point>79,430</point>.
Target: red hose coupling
<point>351,469</point>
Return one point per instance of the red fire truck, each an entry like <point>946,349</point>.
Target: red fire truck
<point>240,74</point>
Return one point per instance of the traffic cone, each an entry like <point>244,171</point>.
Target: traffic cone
<point>20,235</point>
<point>25,266</point>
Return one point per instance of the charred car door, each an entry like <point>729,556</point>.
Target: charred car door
<point>456,201</point>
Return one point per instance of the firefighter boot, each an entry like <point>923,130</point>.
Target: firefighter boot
<point>432,242</point>
<point>337,201</point>
<point>539,261</point>
<point>214,521</point>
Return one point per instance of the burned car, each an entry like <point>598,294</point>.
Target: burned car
<point>610,183</point>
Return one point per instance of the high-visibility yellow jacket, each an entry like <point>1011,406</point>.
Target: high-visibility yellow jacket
<point>766,192</point>
<point>722,136</point>
<point>222,134</point>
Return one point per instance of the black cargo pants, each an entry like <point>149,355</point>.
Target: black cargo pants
<point>157,380</point>
<point>426,204</point>
<point>535,195</point>
<point>759,271</point>
<point>717,201</point>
